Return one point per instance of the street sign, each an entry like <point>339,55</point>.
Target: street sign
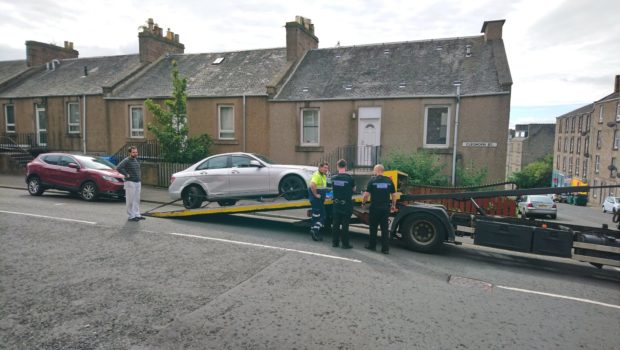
<point>479,144</point>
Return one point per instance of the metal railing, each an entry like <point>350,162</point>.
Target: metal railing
<point>356,156</point>
<point>23,141</point>
<point>148,150</point>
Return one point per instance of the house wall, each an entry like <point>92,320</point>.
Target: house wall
<point>402,129</point>
<point>58,136</point>
<point>605,152</point>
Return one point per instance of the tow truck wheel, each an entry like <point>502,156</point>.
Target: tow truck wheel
<point>193,197</point>
<point>292,187</point>
<point>423,233</point>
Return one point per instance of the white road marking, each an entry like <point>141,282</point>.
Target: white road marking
<point>49,217</point>
<point>266,246</point>
<point>560,296</point>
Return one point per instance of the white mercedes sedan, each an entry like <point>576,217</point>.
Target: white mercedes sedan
<point>226,178</point>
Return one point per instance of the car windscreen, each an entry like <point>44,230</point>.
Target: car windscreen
<point>96,163</point>
<point>263,158</point>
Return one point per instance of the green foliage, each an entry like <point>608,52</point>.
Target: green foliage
<point>424,168</point>
<point>170,126</point>
<point>536,174</point>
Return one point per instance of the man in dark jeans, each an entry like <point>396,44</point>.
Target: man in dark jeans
<point>380,189</point>
<point>343,187</point>
<point>316,195</point>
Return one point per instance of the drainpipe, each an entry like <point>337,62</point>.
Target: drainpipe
<point>456,130</point>
<point>244,120</point>
<point>84,125</point>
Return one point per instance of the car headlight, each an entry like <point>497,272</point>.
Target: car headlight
<point>110,178</point>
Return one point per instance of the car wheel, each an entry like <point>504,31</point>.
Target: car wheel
<point>89,191</point>
<point>193,196</point>
<point>604,211</point>
<point>227,202</point>
<point>292,187</point>
<point>34,186</point>
<point>613,210</point>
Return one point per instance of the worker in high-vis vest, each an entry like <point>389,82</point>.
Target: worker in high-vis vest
<point>316,195</point>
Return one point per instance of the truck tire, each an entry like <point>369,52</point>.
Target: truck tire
<point>423,232</point>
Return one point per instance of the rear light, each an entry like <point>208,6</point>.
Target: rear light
<point>554,206</point>
<point>171,179</point>
<point>530,205</point>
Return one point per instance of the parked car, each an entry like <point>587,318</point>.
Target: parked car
<point>225,178</point>
<point>611,204</point>
<point>537,205</point>
<point>87,176</point>
<point>559,197</point>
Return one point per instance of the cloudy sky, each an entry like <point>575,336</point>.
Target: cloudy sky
<point>563,54</point>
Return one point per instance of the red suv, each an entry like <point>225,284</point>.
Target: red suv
<point>90,177</point>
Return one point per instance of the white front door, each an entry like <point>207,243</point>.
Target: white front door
<point>368,135</point>
<point>41,125</point>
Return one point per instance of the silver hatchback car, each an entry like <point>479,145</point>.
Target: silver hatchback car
<point>537,205</point>
<point>227,177</point>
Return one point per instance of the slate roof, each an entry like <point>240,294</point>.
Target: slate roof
<point>581,110</point>
<point>9,69</point>
<point>240,73</point>
<point>403,69</point>
<point>68,78</point>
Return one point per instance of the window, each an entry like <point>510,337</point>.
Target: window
<point>566,126</point>
<point>73,117</point>
<point>9,118</point>
<point>218,162</point>
<point>578,145</point>
<point>618,112</point>
<point>559,144</point>
<point>584,174</point>
<point>566,144</point>
<point>600,114</point>
<point>572,127</point>
<point>588,119</point>
<point>577,167</point>
<point>580,124</point>
<point>136,122</point>
<point>613,167</point>
<point>598,139</point>
<point>597,164</point>
<point>557,162</point>
<point>226,119</point>
<point>436,125</point>
<point>572,143</point>
<point>241,162</point>
<point>586,145</point>
<point>560,127</point>
<point>570,166</point>
<point>310,127</point>
<point>564,163</point>
<point>616,141</point>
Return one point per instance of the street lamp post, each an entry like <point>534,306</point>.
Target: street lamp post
<point>456,130</point>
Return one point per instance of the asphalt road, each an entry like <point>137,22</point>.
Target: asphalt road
<point>76,275</point>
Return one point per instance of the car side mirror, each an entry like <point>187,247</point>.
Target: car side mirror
<point>73,166</point>
<point>255,163</point>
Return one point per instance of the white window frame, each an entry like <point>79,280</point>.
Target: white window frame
<point>9,127</point>
<point>597,164</point>
<point>585,169</point>
<point>577,167</point>
<point>73,128</point>
<point>570,166</point>
<point>225,134</point>
<point>437,145</point>
<point>136,133</point>
<point>318,126</point>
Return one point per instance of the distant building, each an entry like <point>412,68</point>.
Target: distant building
<point>528,143</point>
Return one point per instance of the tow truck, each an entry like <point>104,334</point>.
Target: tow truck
<point>426,227</point>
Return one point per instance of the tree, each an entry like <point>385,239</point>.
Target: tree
<point>535,174</point>
<point>170,126</point>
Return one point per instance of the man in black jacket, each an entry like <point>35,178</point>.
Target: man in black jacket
<point>133,183</point>
<point>381,190</point>
<point>343,187</point>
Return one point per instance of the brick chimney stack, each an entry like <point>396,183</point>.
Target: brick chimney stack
<point>38,53</point>
<point>492,29</point>
<point>300,38</point>
<point>153,44</point>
